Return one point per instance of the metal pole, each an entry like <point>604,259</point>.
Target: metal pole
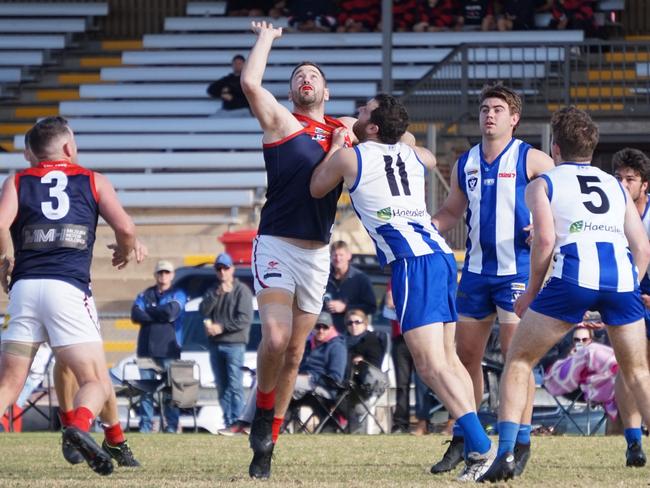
<point>387,46</point>
<point>546,139</point>
<point>432,194</point>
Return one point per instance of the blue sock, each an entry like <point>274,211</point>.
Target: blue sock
<point>507,437</point>
<point>523,435</point>
<point>476,440</point>
<point>457,431</point>
<point>633,435</point>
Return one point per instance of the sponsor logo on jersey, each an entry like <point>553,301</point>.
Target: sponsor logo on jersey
<point>52,236</point>
<point>388,213</point>
<point>489,181</point>
<point>385,213</point>
<point>471,183</point>
<point>507,175</point>
<point>471,172</point>
<point>584,226</point>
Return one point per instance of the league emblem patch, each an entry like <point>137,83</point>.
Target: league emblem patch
<point>471,182</point>
<point>517,290</point>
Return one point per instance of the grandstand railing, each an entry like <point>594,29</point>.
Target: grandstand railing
<point>611,78</point>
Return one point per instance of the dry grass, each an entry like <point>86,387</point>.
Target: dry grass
<point>202,460</point>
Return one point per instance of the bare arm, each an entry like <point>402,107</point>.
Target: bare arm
<point>116,217</point>
<point>425,156</point>
<point>8,212</point>
<point>339,164</point>
<point>537,163</point>
<point>636,236</point>
<point>274,118</point>
<point>454,207</point>
<point>543,243</point>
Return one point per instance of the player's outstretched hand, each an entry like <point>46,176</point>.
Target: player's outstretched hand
<point>140,251</point>
<point>6,267</point>
<point>531,233</point>
<point>338,137</point>
<point>262,28</point>
<point>120,258</point>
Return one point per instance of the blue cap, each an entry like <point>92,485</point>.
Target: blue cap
<point>223,259</point>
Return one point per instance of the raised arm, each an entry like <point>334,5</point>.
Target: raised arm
<point>274,118</point>
<point>454,207</point>
<point>116,217</point>
<point>425,156</point>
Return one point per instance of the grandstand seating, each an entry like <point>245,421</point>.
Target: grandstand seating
<point>165,124</point>
<point>206,8</point>
<point>42,41</point>
<point>62,9</point>
<point>22,25</point>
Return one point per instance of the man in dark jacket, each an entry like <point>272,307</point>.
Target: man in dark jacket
<point>347,287</point>
<point>228,313</point>
<point>228,90</point>
<point>159,311</point>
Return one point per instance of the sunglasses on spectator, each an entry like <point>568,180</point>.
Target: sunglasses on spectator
<point>321,327</point>
<point>221,267</point>
<point>354,322</point>
<point>581,339</point>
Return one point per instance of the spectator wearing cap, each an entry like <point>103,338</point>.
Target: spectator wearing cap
<point>325,359</point>
<point>159,312</point>
<point>228,313</point>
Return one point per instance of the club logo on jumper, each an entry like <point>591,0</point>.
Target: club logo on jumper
<point>507,175</point>
<point>272,270</point>
<point>584,226</point>
<point>471,183</point>
<point>52,236</point>
<point>320,134</point>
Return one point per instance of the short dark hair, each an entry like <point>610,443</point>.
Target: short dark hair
<point>236,57</point>
<point>391,117</point>
<point>308,63</point>
<point>40,136</point>
<point>575,133</point>
<point>635,160</point>
<point>508,95</point>
<point>27,138</point>
<point>339,245</point>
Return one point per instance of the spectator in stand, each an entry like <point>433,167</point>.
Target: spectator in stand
<point>312,15</point>
<point>517,15</point>
<point>347,287</point>
<point>404,15</point>
<point>253,8</point>
<point>159,312</point>
<point>573,14</point>
<point>436,15</point>
<point>476,14</point>
<point>228,312</point>
<point>359,15</point>
<point>228,90</point>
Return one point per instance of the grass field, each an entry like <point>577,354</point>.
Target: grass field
<point>203,460</point>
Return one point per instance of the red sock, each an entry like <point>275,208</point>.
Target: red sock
<point>83,419</point>
<point>275,429</point>
<point>114,434</point>
<point>265,400</point>
<point>66,417</point>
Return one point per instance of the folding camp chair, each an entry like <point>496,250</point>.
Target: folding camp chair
<point>153,382</point>
<point>572,406</point>
<point>183,385</point>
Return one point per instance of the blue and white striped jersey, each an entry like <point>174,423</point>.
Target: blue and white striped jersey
<point>591,249</point>
<point>496,210</point>
<point>388,197</point>
<point>645,219</point>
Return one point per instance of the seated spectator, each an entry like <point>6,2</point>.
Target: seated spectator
<point>359,15</point>
<point>324,362</point>
<point>404,15</point>
<point>475,15</point>
<point>573,14</point>
<point>365,351</point>
<point>347,287</point>
<point>590,367</point>
<point>251,8</point>
<point>517,15</point>
<point>228,89</point>
<point>312,15</point>
<point>436,15</point>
